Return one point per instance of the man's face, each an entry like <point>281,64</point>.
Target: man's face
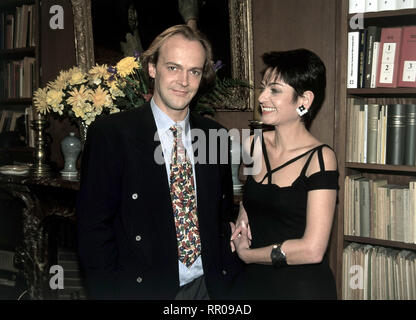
<point>177,75</point>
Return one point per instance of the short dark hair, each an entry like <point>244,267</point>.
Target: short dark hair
<point>303,70</point>
<point>151,55</point>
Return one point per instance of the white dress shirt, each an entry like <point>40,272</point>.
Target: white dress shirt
<point>163,124</point>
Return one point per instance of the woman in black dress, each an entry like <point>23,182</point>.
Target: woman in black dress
<point>286,215</point>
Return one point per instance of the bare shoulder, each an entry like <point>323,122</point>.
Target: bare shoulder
<point>329,160</point>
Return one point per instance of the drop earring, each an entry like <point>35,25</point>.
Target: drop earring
<point>301,111</point>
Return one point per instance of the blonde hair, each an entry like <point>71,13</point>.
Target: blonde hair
<point>151,55</point>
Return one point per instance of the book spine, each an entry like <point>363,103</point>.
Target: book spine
<point>9,30</point>
<point>407,64</point>
<point>362,51</point>
<point>374,65</point>
<point>365,208</point>
<point>410,148</point>
<point>396,130</point>
<point>365,132</point>
<point>372,132</point>
<point>389,57</point>
<point>371,36</point>
<point>353,59</point>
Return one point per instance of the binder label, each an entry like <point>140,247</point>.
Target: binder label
<point>409,71</point>
<point>387,62</point>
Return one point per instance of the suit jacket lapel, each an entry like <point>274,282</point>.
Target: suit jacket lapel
<point>201,171</point>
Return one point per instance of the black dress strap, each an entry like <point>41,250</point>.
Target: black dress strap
<point>266,160</point>
<point>320,159</point>
<point>270,172</point>
<point>253,142</point>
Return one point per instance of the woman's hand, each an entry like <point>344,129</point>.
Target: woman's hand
<point>241,242</point>
<point>242,217</point>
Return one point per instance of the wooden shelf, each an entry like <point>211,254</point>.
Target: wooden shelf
<point>379,167</point>
<point>383,92</point>
<point>387,14</point>
<point>18,53</point>
<point>380,242</point>
<point>18,101</point>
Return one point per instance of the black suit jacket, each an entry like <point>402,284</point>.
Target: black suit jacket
<point>126,233</point>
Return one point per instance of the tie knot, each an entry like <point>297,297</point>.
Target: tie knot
<point>176,131</point>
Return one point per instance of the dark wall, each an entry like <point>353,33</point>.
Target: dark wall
<point>285,25</point>
<point>57,45</point>
<point>110,23</point>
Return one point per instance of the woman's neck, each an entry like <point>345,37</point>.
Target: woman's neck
<point>291,136</point>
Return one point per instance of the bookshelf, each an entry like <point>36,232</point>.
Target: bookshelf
<point>399,175</point>
<point>381,242</point>
<point>19,66</point>
<point>382,92</point>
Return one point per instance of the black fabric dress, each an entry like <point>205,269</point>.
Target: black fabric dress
<point>277,214</point>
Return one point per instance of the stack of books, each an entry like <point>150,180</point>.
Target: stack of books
<point>381,134</point>
<point>18,28</point>
<point>377,273</point>
<point>373,208</point>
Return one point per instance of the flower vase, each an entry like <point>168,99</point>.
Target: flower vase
<point>71,148</point>
<point>83,128</point>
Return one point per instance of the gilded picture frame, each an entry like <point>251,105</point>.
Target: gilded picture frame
<point>241,38</point>
<point>241,35</point>
<point>84,42</point>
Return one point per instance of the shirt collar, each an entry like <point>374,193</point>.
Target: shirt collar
<point>164,122</point>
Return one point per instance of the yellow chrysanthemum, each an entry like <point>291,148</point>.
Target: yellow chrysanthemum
<point>39,100</point>
<point>61,82</point>
<point>126,66</point>
<point>100,98</point>
<point>83,111</point>
<point>58,109</point>
<point>78,98</point>
<point>79,112</point>
<point>76,76</point>
<point>98,72</point>
<point>54,98</point>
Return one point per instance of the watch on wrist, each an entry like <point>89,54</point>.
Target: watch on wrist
<point>277,256</point>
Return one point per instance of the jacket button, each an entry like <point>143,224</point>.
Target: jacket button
<point>224,272</point>
<point>223,196</point>
<point>134,196</point>
<point>139,280</point>
<point>138,238</point>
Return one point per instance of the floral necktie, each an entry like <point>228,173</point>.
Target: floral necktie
<point>182,192</point>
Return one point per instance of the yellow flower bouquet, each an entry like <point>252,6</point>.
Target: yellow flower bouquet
<point>102,90</point>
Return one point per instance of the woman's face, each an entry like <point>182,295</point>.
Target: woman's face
<point>276,100</point>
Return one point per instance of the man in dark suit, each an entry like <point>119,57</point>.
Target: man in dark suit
<point>128,233</point>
